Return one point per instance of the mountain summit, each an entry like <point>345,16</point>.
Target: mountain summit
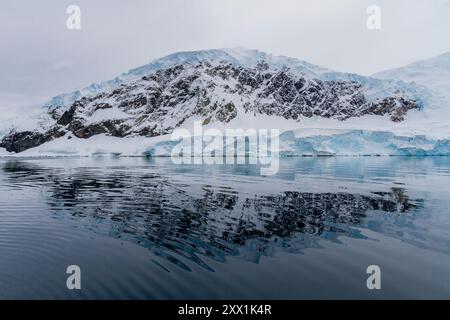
<point>238,56</point>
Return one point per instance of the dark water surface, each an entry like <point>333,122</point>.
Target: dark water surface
<point>141,228</point>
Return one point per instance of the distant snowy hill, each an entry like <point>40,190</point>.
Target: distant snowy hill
<point>393,112</point>
<point>432,73</point>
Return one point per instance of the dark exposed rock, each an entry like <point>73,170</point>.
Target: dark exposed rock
<point>102,105</point>
<point>54,132</point>
<point>67,116</point>
<point>20,141</point>
<point>226,113</point>
<point>113,128</point>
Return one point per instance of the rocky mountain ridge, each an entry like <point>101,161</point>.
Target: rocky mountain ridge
<point>216,86</point>
<point>161,101</point>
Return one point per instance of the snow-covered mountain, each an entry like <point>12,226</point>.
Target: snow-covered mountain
<point>247,88</point>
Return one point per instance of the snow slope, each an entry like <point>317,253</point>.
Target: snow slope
<point>432,73</point>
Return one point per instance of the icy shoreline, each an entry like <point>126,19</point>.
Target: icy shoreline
<point>293,143</point>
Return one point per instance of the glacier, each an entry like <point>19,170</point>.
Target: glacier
<point>361,142</point>
<point>292,143</point>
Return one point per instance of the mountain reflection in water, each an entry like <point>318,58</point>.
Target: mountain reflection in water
<point>160,213</point>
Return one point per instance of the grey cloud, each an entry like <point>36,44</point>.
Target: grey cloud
<point>41,58</point>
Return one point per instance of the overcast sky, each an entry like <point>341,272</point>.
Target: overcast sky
<point>40,57</point>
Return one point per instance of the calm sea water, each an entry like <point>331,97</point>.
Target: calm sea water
<point>145,228</point>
